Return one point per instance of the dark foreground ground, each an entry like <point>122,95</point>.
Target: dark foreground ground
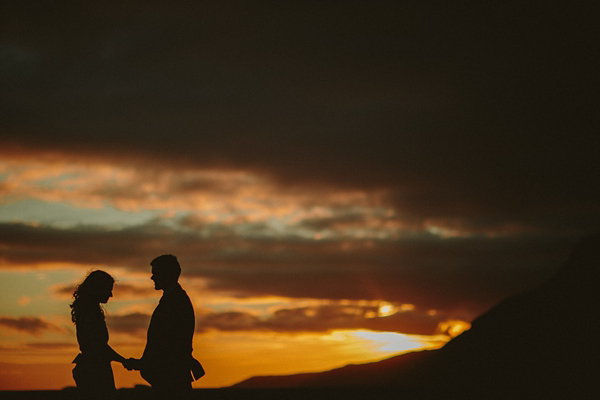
<point>311,394</point>
<point>223,394</point>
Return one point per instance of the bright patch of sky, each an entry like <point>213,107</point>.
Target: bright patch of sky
<point>64,215</point>
<point>29,292</point>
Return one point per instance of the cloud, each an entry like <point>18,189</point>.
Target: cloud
<point>130,291</point>
<point>64,291</point>
<point>211,201</point>
<point>326,318</point>
<point>318,318</point>
<point>135,324</point>
<point>430,272</point>
<point>51,345</point>
<point>122,291</point>
<point>31,325</point>
<point>24,300</point>
<point>457,116</point>
<point>214,200</point>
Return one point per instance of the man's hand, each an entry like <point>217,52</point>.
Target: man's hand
<point>132,364</point>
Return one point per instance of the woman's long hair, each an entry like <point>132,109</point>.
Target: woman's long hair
<point>86,296</point>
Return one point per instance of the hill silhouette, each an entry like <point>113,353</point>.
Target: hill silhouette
<point>536,344</point>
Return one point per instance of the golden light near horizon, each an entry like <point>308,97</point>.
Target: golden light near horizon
<point>264,353</point>
<point>453,327</point>
<point>393,343</point>
<point>229,356</point>
<point>386,309</point>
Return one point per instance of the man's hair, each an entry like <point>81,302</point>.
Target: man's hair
<point>168,265</point>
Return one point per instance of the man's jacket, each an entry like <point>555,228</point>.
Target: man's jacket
<point>168,353</point>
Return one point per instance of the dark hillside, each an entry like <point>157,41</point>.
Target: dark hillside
<point>537,344</point>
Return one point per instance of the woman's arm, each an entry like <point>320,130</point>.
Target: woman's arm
<point>92,336</point>
<point>113,355</point>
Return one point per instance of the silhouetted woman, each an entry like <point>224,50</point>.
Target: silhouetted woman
<point>93,373</point>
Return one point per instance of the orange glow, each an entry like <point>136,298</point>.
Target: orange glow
<point>79,183</point>
<point>35,376</point>
<point>388,343</point>
<point>453,327</point>
<point>233,357</point>
<point>228,357</point>
<point>24,300</point>
<point>231,198</point>
<point>386,309</point>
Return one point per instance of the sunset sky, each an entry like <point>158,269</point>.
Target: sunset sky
<point>341,181</point>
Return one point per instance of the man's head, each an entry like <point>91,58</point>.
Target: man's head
<point>165,271</point>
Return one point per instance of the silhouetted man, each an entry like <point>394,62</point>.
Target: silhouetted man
<point>167,359</point>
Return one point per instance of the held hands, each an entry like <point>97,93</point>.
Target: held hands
<point>132,364</point>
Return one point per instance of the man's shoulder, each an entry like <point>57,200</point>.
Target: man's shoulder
<point>185,298</point>
<point>177,295</point>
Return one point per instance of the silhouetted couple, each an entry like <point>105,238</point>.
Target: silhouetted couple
<point>167,362</point>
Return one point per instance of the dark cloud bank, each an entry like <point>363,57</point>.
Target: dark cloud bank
<point>296,320</point>
<point>32,325</point>
<point>479,112</point>
<point>462,274</point>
